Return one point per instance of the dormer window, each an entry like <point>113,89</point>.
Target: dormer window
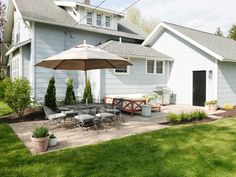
<point>108,21</point>
<point>89,18</point>
<point>99,20</point>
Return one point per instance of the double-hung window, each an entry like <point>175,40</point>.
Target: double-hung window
<point>154,67</point>
<point>15,67</point>
<point>108,21</point>
<point>99,20</point>
<point>89,18</point>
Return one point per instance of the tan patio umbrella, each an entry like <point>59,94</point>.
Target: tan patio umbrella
<point>83,57</point>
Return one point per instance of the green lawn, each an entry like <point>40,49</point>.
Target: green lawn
<point>4,109</point>
<point>190,150</point>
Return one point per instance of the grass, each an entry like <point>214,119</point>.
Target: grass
<point>207,150</point>
<point>4,109</point>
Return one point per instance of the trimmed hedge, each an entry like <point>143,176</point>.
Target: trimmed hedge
<point>186,117</point>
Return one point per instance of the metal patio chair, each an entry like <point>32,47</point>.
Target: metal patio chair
<point>53,117</point>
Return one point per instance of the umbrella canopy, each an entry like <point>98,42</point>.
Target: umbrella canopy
<point>83,57</point>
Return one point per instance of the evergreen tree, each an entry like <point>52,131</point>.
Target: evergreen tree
<point>88,93</point>
<point>50,97</point>
<point>70,94</point>
<point>219,32</point>
<point>232,32</point>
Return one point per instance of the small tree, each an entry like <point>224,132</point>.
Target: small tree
<point>219,32</point>
<point>50,97</point>
<point>88,93</point>
<point>17,94</point>
<point>232,32</point>
<point>70,94</point>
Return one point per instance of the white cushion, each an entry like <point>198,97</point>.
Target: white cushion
<point>56,116</point>
<point>105,114</point>
<point>82,117</point>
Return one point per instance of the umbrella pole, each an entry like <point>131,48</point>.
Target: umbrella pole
<point>86,100</point>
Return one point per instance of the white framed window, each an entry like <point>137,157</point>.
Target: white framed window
<point>16,67</point>
<point>122,70</point>
<point>99,20</point>
<point>108,21</point>
<point>89,18</point>
<point>159,67</point>
<point>154,66</point>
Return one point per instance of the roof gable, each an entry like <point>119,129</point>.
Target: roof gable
<point>221,48</point>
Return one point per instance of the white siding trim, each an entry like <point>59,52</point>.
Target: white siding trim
<point>32,60</point>
<point>21,62</point>
<point>215,75</point>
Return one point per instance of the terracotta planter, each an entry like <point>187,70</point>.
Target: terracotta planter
<point>213,108</point>
<point>40,144</point>
<point>53,142</point>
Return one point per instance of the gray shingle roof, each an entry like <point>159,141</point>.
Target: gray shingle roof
<point>131,49</point>
<point>47,11</point>
<point>223,46</point>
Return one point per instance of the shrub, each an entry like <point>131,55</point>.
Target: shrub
<point>228,106</point>
<point>70,94</point>
<point>40,132</point>
<point>87,93</point>
<point>186,117</point>
<point>16,94</point>
<point>50,97</point>
<point>173,118</point>
<point>211,102</point>
<point>2,90</point>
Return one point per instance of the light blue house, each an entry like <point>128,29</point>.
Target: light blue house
<point>194,65</point>
<point>40,29</point>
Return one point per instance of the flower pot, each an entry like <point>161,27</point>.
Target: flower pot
<point>40,144</point>
<point>213,108</point>
<point>52,142</point>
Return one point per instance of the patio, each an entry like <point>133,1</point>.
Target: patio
<point>69,136</point>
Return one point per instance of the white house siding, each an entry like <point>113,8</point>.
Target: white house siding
<point>226,83</point>
<point>136,82</point>
<point>50,40</point>
<point>187,58</point>
<point>26,61</point>
<point>22,29</point>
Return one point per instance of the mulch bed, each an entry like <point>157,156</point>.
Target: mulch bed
<point>227,113</point>
<point>31,114</point>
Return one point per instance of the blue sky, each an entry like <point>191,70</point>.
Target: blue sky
<point>204,15</point>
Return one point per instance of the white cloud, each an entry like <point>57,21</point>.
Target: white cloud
<point>205,15</point>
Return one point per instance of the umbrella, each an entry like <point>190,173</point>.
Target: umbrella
<point>83,57</point>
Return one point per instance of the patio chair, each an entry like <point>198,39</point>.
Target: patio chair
<point>117,107</point>
<point>107,114</point>
<point>52,116</point>
<point>86,118</point>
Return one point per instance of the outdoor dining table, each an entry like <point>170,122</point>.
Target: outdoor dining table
<point>78,107</point>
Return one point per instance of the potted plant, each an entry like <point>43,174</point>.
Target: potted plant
<point>40,139</point>
<point>52,140</point>
<point>212,105</point>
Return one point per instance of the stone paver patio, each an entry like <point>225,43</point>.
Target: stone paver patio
<point>69,136</point>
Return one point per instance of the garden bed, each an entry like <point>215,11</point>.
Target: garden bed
<point>31,114</point>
